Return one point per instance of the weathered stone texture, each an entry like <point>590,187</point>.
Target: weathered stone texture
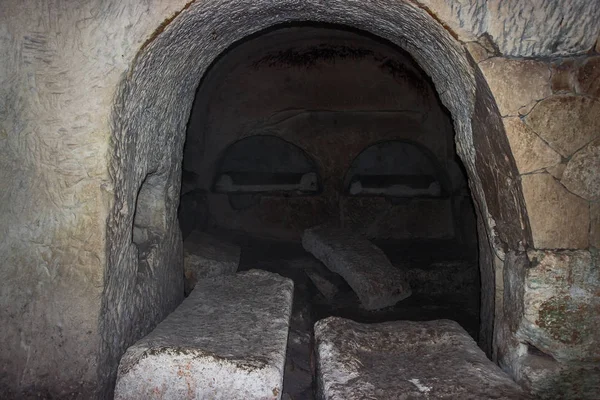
<point>363,265</point>
<point>566,122</point>
<point>59,72</point>
<point>588,77</point>
<point>557,170</point>
<point>205,256</point>
<point>531,153</point>
<point>561,305</point>
<point>558,218</point>
<point>582,174</point>
<point>404,359</point>
<point>477,51</point>
<point>551,380</point>
<point>521,28</point>
<point>227,340</point>
<point>595,225</point>
<point>516,84</point>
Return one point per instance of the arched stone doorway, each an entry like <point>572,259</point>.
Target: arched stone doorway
<point>152,109</point>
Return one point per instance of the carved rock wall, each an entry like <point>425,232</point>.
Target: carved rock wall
<point>94,98</point>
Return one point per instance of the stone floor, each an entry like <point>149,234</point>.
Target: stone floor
<point>443,277</point>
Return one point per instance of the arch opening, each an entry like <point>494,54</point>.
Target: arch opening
<point>305,98</point>
<point>145,142</point>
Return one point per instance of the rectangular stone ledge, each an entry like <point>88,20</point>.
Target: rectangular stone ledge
<point>405,359</point>
<point>227,340</point>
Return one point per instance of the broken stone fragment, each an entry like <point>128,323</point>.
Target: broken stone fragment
<point>227,340</point>
<point>363,265</point>
<point>405,359</point>
<point>205,256</point>
<point>323,285</point>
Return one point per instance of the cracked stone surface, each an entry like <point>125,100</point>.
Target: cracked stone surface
<point>405,359</point>
<point>531,153</point>
<point>559,219</point>
<point>566,122</point>
<point>205,256</point>
<point>363,265</point>
<point>582,174</point>
<point>561,299</point>
<point>516,83</point>
<point>227,340</point>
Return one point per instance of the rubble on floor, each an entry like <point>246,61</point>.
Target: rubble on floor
<point>206,256</point>
<point>363,265</point>
<point>227,340</point>
<point>405,359</point>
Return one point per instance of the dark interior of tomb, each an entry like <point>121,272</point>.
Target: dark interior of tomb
<point>307,125</point>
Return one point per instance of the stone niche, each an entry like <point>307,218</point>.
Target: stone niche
<point>306,125</point>
<point>96,98</point>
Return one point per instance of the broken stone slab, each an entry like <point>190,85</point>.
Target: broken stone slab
<point>205,256</point>
<point>363,265</point>
<point>323,285</point>
<point>405,359</point>
<point>227,340</point>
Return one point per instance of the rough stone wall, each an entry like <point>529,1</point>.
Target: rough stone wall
<point>549,296</point>
<point>60,73</point>
<point>60,68</point>
<point>333,93</point>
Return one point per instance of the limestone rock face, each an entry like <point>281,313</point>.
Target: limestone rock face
<point>550,380</point>
<point>561,27</point>
<point>530,152</point>
<point>566,122</point>
<point>582,174</point>
<point>227,340</point>
<point>558,218</point>
<point>562,304</point>
<point>516,84</point>
<point>205,256</point>
<point>405,359</point>
<point>363,265</point>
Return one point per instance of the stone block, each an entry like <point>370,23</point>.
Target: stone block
<point>531,153</point>
<point>205,256</point>
<point>363,265</point>
<point>227,340</point>
<point>588,77</point>
<point>551,380</point>
<point>582,174</point>
<point>566,122</point>
<point>558,218</point>
<point>516,83</point>
<point>405,360</point>
<point>561,312</point>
